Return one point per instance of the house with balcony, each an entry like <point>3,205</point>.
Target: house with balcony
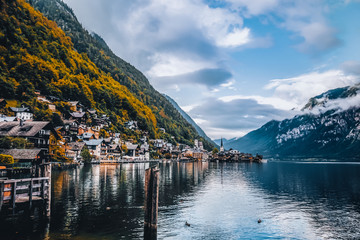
<point>22,113</point>
<point>36,132</point>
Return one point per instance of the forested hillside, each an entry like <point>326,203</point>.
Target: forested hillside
<point>97,50</point>
<point>35,54</point>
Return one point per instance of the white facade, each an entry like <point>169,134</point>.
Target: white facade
<point>24,115</point>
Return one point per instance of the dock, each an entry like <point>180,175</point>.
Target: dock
<point>26,192</point>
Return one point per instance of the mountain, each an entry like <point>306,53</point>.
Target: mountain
<point>96,49</point>
<point>74,65</point>
<point>329,127</point>
<point>190,120</point>
<point>225,141</point>
<point>36,55</point>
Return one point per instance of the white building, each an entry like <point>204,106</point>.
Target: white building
<point>22,113</point>
<point>94,146</point>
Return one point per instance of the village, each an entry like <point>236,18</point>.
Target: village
<point>83,137</point>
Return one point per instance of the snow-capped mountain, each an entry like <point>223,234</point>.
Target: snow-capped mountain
<point>328,127</point>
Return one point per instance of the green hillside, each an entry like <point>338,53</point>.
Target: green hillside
<point>96,49</point>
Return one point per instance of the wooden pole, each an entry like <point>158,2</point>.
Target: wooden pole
<point>30,193</point>
<point>152,180</point>
<point>1,195</point>
<point>47,173</point>
<point>45,170</point>
<point>13,195</point>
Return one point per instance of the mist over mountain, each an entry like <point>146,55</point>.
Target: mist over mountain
<point>329,127</point>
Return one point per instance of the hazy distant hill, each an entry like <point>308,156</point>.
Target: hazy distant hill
<point>330,129</point>
<point>189,119</point>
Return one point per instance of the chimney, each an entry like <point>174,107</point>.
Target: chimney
<point>21,122</point>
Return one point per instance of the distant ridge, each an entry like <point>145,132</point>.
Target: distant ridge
<point>189,120</point>
<point>329,128</point>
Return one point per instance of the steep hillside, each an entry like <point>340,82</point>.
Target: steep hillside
<point>97,50</point>
<point>190,120</point>
<point>36,54</point>
<point>332,129</point>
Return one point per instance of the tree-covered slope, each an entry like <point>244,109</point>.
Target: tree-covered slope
<point>97,50</point>
<point>36,54</point>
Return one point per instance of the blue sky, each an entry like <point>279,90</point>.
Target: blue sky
<point>233,65</point>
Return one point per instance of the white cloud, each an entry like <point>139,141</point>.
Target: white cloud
<point>298,90</point>
<point>341,104</point>
<point>305,18</point>
<point>167,65</point>
<point>235,38</point>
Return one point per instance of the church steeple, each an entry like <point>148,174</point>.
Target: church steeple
<point>221,146</point>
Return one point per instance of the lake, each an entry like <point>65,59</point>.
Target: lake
<point>294,200</point>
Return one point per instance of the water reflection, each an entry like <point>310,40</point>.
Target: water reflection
<point>220,201</point>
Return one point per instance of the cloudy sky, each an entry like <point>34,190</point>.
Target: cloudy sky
<point>233,65</point>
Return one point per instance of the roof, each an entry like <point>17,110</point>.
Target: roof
<point>76,146</point>
<point>144,146</point>
<point>22,109</point>
<point>29,129</point>
<point>131,146</point>
<point>77,114</point>
<point>114,146</point>
<point>4,118</point>
<point>87,135</point>
<point>23,154</point>
<point>69,121</point>
<point>92,111</point>
<point>93,142</point>
<point>73,103</point>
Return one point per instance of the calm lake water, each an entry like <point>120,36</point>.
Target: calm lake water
<point>311,200</point>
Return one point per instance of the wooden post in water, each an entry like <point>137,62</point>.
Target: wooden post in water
<point>152,180</point>
<point>46,172</point>
<point>1,195</point>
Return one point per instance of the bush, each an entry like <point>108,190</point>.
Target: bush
<point>6,159</point>
<point>85,154</point>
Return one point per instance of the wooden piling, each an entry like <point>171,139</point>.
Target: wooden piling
<point>30,193</point>
<point>152,180</point>
<point>1,195</point>
<point>46,189</point>
<point>13,195</point>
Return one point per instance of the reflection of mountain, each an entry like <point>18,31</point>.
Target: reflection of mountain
<point>329,127</point>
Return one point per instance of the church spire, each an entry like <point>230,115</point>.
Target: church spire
<point>221,146</point>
